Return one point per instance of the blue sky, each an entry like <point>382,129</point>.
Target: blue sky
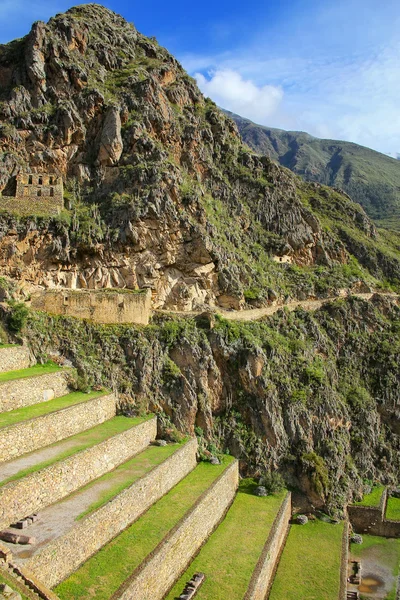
<point>329,68</point>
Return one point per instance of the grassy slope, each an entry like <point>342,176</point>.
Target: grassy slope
<point>30,372</point>
<point>228,559</point>
<point>310,563</point>
<point>372,499</point>
<point>102,575</point>
<point>82,441</point>
<point>44,408</point>
<point>393,509</point>
<point>371,178</point>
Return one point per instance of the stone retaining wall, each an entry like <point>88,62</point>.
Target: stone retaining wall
<point>98,528</point>
<point>371,520</point>
<point>13,358</point>
<point>158,573</point>
<point>344,562</point>
<point>30,435</point>
<point>37,490</point>
<point>261,581</point>
<point>17,393</point>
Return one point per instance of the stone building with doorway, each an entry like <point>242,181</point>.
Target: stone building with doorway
<point>36,194</point>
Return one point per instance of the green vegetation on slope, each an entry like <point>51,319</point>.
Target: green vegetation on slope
<point>45,369</point>
<point>230,555</point>
<point>82,441</point>
<point>369,177</point>
<point>373,498</point>
<point>105,572</point>
<point>310,563</point>
<point>44,408</point>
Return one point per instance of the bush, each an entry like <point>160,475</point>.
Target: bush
<point>18,316</point>
<point>273,482</point>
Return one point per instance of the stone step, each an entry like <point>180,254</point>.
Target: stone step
<point>36,490</point>
<point>16,582</point>
<point>87,536</point>
<point>31,386</point>
<point>62,418</point>
<point>14,357</point>
<point>152,552</point>
<point>247,540</point>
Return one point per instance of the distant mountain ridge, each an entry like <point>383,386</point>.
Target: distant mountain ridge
<point>369,177</point>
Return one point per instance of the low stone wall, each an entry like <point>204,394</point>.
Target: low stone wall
<point>261,581</point>
<point>366,519</point>
<point>25,205</point>
<point>158,573</point>
<point>344,563</point>
<point>32,390</point>
<point>37,490</point>
<point>98,528</point>
<point>100,306</point>
<point>13,358</point>
<point>33,434</point>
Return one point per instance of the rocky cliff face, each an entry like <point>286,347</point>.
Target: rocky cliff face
<point>160,190</point>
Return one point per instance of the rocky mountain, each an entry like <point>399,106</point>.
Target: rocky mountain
<point>369,177</point>
<point>162,193</point>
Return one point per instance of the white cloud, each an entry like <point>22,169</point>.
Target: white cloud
<point>231,91</point>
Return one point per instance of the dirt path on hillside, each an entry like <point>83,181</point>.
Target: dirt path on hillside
<point>254,314</point>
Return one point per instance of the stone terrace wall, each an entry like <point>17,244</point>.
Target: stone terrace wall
<point>264,572</point>
<point>14,357</point>
<point>365,519</point>
<point>98,528</point>
<point>37,490</point>
<point>158,573</point>
<point>32,390</point>
<point>100,306</point>
<point>33,434</point>
<point>25,206</point>
<point>344,562</point>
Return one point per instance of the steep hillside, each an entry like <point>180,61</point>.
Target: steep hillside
<point>161,192</point>
<point>369,177</point>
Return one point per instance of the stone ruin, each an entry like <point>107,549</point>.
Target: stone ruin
<point>35,194</point>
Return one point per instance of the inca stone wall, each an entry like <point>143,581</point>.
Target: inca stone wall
<point>94,531</point>
<point>14,357</point>
<point>100,306</point>
<point>27,436</point>
<point>37,490</point>
<point>366,519</point>
<point>344,562</point>
<point>35,194</point>
<point>32,390</point>
<point>264,572</point>
<point>157,574</point>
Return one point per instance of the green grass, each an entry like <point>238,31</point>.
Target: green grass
<point>44,408</point>
<point>310,563</point>
<point>103,574</point>
<point>373,498</point>
<point>30,372</point>
<point>83,440</point>
<point>4,578</point>
<point>129,472</point>
<point>8,346</point>
<point>393,509</point>
<point>384,552</point>
<point>228,559</point>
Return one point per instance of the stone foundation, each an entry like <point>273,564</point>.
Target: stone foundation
<point>37,490</point>
<point>371,520</point>
<point>17,393</point>
<point>97,529</point>
<point>264,572</point>
<point>28,436</point>
<point>159,571</point>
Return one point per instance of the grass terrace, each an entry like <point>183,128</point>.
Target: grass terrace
<point>31,372</point>
<point>230,556</point>
<point>372,499</point>
<point>82,441</point>
<point>380,558</point>
<point>5,578</point>
<point>393,509</point>
<point>44,408</point>
<point>310,563</point>
<point>105,572</point>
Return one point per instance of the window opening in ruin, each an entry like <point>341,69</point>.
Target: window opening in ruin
<point>65,299</point>
<point>51,181</point>
<point>39,192</point>
<point>51,192</point>
<point>40,180</point>
<point>30,179</point>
